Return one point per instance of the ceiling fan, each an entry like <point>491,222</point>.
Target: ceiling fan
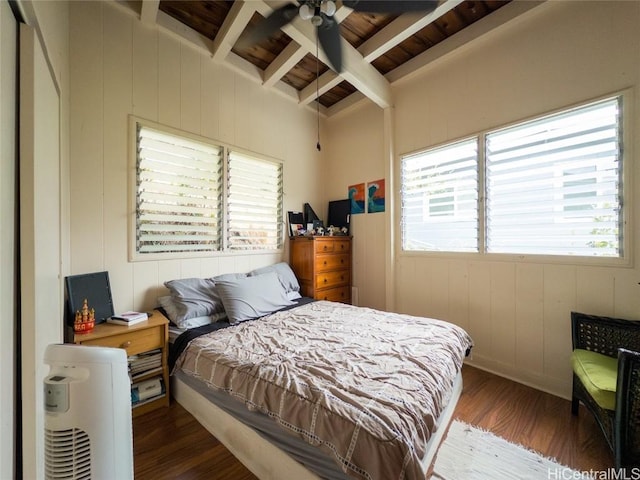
<point>320,13</point>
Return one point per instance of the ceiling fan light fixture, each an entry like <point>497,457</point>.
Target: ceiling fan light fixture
<point>328,8</point>
<point>306,12</point>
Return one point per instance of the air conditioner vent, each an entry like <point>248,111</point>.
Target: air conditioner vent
<point>67,454</point>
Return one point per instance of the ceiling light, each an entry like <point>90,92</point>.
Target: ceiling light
<point>306,12</point>
<point>329,8</point>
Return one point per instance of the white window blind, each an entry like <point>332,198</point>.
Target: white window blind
<point>553,184</point>
<point>439,197</point>
<point>178,195</point>
<point>254,203</point>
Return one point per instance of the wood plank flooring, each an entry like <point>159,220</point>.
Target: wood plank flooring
<point>170,444</point>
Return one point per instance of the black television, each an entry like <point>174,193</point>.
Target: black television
<point>339,214</point>
<point>95,287</point>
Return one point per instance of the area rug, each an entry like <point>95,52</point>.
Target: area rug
<point>469,453</point>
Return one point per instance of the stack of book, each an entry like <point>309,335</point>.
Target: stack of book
<point>128,318</point>
<point>145,364</point>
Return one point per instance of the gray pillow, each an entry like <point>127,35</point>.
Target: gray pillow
<point>285,275</point>
<point>229,276</point>
<point>170,306</point>
<point>193,297</point>
<point>252,297</point>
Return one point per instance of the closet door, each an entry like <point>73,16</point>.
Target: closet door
<point>8,226</point>
<point>40,230</point>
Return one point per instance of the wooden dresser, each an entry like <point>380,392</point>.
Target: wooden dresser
<point>323,267</point>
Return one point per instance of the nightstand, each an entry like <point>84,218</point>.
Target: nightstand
<point>137,339</point>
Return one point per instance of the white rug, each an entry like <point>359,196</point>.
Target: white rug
<point>469,453</point>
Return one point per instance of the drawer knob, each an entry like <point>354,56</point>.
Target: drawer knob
<point>325,262</point>
<point>325,280</point>
<point>341,277</point>
<point>126,344</point>
<point>342,261</point>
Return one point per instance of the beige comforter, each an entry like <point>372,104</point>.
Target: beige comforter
<point>363,385</point>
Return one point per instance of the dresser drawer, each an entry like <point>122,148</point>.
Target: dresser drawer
<point>332,246</point>
<point>332,262</point>
<point>332,279</point>
<point>134,342</point>
<point>338,294</point>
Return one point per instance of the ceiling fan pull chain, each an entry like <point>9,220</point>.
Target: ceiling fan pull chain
<point>318,93</point>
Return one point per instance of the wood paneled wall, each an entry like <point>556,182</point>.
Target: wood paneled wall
<point>516,309</point>
<point>119,67</point>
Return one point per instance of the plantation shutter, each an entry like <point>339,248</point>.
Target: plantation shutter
<point>439,198</point>
<point>254,203</point>
<point>553,184</point>
<point>179,185</point>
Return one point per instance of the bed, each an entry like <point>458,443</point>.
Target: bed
<point>297,388</point>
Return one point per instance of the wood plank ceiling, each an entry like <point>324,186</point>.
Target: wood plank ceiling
<point>374,45</point>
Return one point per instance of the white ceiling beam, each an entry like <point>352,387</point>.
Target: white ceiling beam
<point>362,75</point>
<point>181,30</point>
<point>456,44</point>
<point>326,82</point>
<point>149,11</point>
<point>359,73</point>
<point>294,52</point>
<point>235,22</point>
<point>284,62</point>
<point>401,29</point>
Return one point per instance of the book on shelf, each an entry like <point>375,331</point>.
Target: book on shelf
<point>128,318</point>
<point>144,363</point>
<point>147,390</point>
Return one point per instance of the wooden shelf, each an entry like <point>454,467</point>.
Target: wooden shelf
<point>139,338</point>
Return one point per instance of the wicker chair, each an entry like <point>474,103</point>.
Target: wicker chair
<point>619,339</point>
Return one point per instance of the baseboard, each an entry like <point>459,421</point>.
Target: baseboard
<point>553,386</point>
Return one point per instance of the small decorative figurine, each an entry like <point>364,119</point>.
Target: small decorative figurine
<point>85,319</point>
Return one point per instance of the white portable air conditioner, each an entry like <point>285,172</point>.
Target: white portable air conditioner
<point>87,403</point>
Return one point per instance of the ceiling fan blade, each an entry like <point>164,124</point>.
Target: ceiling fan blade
<point>329,37</point>
<point>270,25</point>
<point>391,6</point>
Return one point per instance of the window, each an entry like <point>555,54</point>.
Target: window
<point>440,198</point>
<point>180,185</point>
<point>553,184</point>
<point>178,194</point>
<point>553,187</point>
<point>254,203</point>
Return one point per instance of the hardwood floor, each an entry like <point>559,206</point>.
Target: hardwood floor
<point>170,444</point>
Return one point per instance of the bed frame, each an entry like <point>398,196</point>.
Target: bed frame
<point>266,460</point>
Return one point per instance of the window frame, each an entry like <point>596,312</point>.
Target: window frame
<point>223,250</point>
<point>626,259</point>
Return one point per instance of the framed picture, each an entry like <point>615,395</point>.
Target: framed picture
<point>375,196</point>
<point>356,196</point>
<point>296,223</point>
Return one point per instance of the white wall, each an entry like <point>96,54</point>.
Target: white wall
<point>118,67</point>
<point>355,154</point>
<point>8,304</point>
<point>559,54</point>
